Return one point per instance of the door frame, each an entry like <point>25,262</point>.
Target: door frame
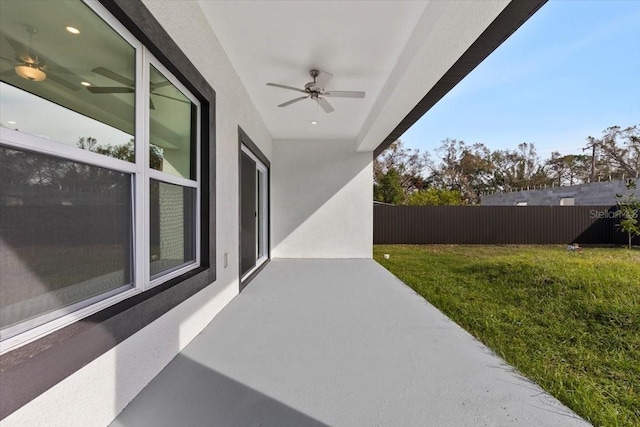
<point>246,145</point>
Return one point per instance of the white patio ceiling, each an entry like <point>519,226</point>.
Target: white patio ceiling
<point>396,51</point>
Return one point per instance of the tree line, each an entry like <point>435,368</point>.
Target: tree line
<point>459,173</point>
<point>24,174</point>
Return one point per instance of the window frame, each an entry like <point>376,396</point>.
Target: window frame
<point>32,369</point>
<point>141,174</point>
<point>150,282</point>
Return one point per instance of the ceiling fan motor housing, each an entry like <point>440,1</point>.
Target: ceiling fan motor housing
<point>311,87</point>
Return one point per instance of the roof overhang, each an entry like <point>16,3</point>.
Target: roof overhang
<point>405,55</point>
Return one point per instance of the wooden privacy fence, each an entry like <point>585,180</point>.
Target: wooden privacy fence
<point>497,225</point>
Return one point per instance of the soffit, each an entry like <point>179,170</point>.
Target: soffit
<point>359,42</point>
<point>406,55</point>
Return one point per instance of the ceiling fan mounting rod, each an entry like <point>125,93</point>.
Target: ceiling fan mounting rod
<point>311,86</point>
<point>32,31</point>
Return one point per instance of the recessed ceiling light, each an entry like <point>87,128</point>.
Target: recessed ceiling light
<point>73,30</point>
<point>85,83</point>
<point>313,122</point>
<point>11,122</point>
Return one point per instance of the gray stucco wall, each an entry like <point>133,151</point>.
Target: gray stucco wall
<point>595,194</point>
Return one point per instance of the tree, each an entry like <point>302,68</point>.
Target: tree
<point>435,197</point>
<point>570,169</point>
<point>619,150</point>
<point>87,143</point>
<point>629,207</point>
<point>528,162</point>
<point>473,169</point>
<point>463,168</point>
<point>388,188</point>
<point>13,170</point>
<point>123,152</point>
<point>516,169</point>
<point>408,164</point>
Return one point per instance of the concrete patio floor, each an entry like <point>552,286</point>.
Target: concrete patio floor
<point>339,343</point>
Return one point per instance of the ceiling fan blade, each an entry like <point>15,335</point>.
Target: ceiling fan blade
<point>153,107</point>
<point>96,89</point>
<point>18,48</point>
<point>286,87</point>
<point>324,104</point>
<point>322,79</point>
<point>159,85</point>
<point>292,101</point>
<point>63,82</point>
<point>344,94</point>
<point>170,97</point>
<point>55,68</point>
<point>113,76</point>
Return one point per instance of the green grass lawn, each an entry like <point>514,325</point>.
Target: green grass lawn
<point>569,321</point>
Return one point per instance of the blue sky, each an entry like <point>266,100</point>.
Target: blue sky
<point>570,71</point>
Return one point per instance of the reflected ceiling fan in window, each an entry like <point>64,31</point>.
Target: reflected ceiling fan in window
<point>30,65</point>
<point>317,92</point>
<point>129,86</point>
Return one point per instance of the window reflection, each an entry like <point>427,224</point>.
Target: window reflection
<point>65,233</point>
<point>63,86</point>
<point>52,122</point>
<point>67,216</point>
<point>171,127</point>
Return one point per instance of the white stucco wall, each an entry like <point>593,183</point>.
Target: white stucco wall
<point>94,395</point>
<point>321,207</point>
<point>321,200</point>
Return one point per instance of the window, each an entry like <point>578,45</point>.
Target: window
<point>99,167</point>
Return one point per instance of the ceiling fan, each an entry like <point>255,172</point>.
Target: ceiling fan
<point>316,91</point>
<point>31,66</point>
<point>129,86</point>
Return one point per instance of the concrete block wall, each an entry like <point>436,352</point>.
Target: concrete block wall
<point>595,194</point>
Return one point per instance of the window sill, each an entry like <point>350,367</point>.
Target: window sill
<point>32,369</point>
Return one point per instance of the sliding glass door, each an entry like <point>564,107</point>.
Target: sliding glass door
<point>254,212</point>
